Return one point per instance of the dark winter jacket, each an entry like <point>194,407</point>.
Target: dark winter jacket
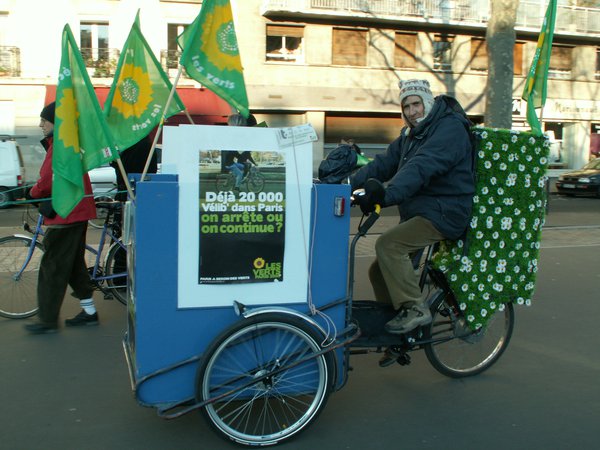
<point>429,169</point>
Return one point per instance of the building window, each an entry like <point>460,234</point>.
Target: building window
<point>349,47</point>
<point>598,63</point>
<point>442,52</point>
<point>284,43</point>
<point>518,58</point>
<point>95,51</point>
<point>561,62</point>
<point>405,50</point>
<point>170,60</point>
<point>479,56</point>
<point>94,42</point>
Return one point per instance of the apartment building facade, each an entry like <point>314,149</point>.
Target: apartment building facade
<point>332,63</point>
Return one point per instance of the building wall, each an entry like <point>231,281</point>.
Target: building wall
<point>309,91</point>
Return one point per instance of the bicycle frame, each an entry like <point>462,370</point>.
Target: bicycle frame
<point>35,233</point>
<point>96,273</point>
<point>412,340</point>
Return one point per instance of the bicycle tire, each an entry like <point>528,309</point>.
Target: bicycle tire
<point>116,264</point>
<point>225,182</point>
<point>466,353</point>
<point>18,293</point>
<point>256,182</point>
<point>274,408</point>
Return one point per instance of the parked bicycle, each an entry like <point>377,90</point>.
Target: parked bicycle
<point>254,181</point>
<point>20,257</point>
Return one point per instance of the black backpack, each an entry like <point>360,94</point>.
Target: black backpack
<point>338,165</point>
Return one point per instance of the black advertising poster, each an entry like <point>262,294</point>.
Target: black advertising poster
<point>242,216</point>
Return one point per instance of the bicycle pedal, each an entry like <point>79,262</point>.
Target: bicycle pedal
<point>403,360</point>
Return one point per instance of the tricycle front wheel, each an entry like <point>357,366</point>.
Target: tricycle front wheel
<point>265,379</point>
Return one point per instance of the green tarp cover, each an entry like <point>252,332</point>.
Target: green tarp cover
<point>497,262</point>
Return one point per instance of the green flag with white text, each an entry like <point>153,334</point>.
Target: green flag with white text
<point>537,79</point>
<point>211,55</point>
<point>82,139</point>
<point>139,92</point>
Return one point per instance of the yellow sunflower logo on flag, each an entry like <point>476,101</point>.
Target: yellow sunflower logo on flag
<point>221,40</point>
<point>68,114</point>
<point>134,92</point>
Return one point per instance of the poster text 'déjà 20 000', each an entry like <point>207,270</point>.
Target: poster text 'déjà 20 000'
<point>242,216</point>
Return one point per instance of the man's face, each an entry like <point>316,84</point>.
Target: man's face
<point>412,110</point>
<point>47,127</point>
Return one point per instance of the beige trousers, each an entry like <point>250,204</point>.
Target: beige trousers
<point>392,274</point>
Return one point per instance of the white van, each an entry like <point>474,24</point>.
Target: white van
<point>12,171</point>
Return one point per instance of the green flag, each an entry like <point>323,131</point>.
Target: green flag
<point>211,55</point>
<point>537,79</point>
<point>82,140</point>
<point>139,92</point>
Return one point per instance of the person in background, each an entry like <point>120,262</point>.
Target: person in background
<point>63,261</point>
<point>134,160</point>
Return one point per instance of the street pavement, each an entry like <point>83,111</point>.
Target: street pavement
<point>71,390</point>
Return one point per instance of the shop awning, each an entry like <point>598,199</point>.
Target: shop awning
<point>203,105</point>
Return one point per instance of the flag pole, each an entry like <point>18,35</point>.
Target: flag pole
<point>125,178</point>
<point>187,113</point>
<point>161,123</point>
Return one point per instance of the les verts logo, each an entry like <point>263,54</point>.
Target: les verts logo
<point>264,270</point>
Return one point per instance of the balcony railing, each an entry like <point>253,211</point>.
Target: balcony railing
<point>10,61</point>
<point>476,12</point>
<point>169,61</point>
<point>100,62</point>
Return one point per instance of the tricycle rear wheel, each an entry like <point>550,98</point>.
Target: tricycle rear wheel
<point>456,350</point>
<point>264,379</point>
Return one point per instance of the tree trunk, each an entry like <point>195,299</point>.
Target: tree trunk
<point>500,42</point>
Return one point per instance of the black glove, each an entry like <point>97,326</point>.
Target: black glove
<point>374,194</point>
<point>46,209</point>
<point>366,203</point>
<point>29,197</point>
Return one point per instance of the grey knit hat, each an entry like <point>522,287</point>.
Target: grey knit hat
<point>417,87</point>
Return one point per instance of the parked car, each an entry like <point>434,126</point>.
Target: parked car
<point>12,171</point>
<point>585,181</point>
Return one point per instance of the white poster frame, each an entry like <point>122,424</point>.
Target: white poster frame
<point>180,156</point>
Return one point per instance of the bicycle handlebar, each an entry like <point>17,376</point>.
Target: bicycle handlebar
<point>363,227</point>
<point>112,206</point>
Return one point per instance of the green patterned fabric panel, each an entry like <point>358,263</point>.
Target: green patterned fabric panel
<point>498,260</point>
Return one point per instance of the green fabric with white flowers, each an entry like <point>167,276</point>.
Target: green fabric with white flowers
<point>497,262</point>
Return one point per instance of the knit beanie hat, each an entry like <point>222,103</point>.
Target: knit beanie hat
<point>48,112</point>
<point>420,88</point>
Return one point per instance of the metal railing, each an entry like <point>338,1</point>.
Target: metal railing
<point>529,15</point>
<point>169,59</point>
<point>10,61</point>
<point>100,62</point>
